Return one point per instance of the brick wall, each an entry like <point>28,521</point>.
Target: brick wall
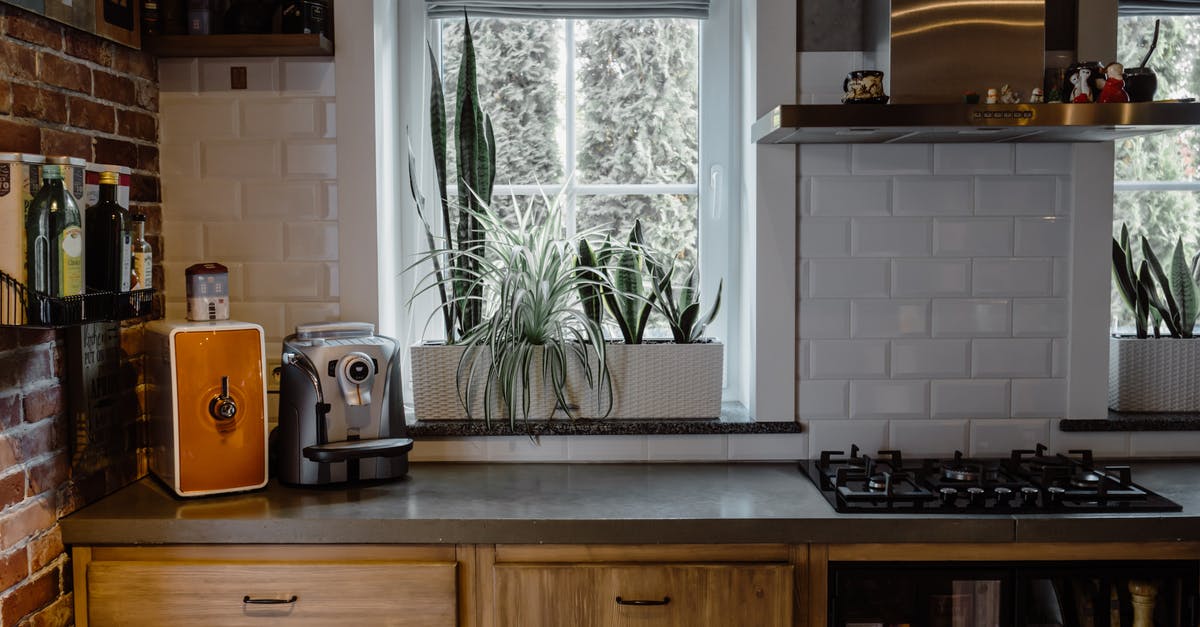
<point>64,92</point>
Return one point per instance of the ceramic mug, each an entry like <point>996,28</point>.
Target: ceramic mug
<point>864,86</point>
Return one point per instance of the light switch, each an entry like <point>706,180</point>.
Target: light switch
<point>237,77</point>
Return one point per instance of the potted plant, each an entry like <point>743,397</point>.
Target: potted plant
<point>1156,373</point>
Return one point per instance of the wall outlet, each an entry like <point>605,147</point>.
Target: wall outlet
<point>237,77</point>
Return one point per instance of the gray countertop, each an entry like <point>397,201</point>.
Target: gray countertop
<point>590,503</point>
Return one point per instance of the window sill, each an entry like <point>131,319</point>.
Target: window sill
<point>734,420</point>
<point>1135,421</point>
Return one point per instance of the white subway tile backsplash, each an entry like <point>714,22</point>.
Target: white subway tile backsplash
<point>889,237</point>
<point>267,315</point>
<point>931,277</point>
<point>823,399</point>
<point>184,120</point>
<point>1058,350</point>
<point>1164,443</point>
<point>889,399</point>
<point>607,448</point>
<point>973,237</point>
<point>281,118</point>
<point>1016,195</point>
<point>846,278</point>
<point>884,318</point>
<point>285,281</point>
<point>332,284</point>
<point>179,161</point>
<point>1045,158</point>
<point>975,317</point>
<point>1013,277</point>
<point>296,314</point>
<point>242,159</point>
<point>297,200</point>
<point>315,76</point>
<point>679,448</point>
<point>979,398</point>
<point>850,196</point>
<point>311,159</point>
<point>178,76</point>
<point>997,438</point>
<point>1010,358</point>
<point>182,241</point>
<point>973,159</point>
<point>1102,443</point>
<point>513,449</point>
<point>824,70</point>
<point>331,204</point>
<point>824,237</point>
<point>262,74</point>
<point>822,319</point>
<point>197,199</point>
<point>1039,317</point>
<point>450,449</point>
<point>929,438</point>
<point>1039,398</point>
<point>311,241</point>
<point>1043,237</point>
<point>847,359</point>
<point>824,159</point>
<point>933,196</point>
<point>890,158</point>
<point>1062,277</point>
<point>243,241</point>
<point>838,435</point>
<point>330,128</point>
<point>777,447</point>
<point>925,359</point>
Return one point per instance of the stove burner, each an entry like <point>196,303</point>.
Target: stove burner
<point>879,482</point>
<point>1089,479</point>
<point>961,473</point>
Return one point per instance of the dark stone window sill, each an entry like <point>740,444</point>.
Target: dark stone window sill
<point>1135,421</point>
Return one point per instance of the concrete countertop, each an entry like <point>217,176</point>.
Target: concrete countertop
<point>593,504</point>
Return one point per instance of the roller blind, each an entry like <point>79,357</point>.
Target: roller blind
<point>1159,7</point>
<point>695,9</point>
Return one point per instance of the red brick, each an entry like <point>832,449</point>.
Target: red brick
<point>44,404</point>
<point>144,188</point>
<point>25,520</point>
<point>129,61</point>
<point>92,115</point>
<point>6,99</point>
<point>14,566</point>
<point>30,596</point>
<point>24,367</point>
<point>66,143</point>
<point>33,336</point>
<point>49,474</point>
<point>147,158</point>
<point>66,74</point>
<point>93,49</point>
<point>8,452</point>
<point>116,152</point>
<point>59,613</point>
<point>19,137</point>
<point>17,60</point>
<point>147,95</point>
<point>12,489</point>
<point>113,88</point>
<point>10,337</point>
<point>35,29</point>
<point>37,439</point>
<point>31,102</point>
<point>137,125</point>
<point>10,412</point>
<point>45,549</point>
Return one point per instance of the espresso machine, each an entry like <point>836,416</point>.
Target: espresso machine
<point>341,415</point>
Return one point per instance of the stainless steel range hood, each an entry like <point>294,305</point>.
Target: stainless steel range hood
<point>960,123</point>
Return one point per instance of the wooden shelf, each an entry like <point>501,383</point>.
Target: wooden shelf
<point>278,45</point>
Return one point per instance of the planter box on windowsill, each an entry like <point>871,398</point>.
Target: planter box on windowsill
<point>1153,374</point>
<point>653,381</point>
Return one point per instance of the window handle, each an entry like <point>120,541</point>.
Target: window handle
<point>714,189</point>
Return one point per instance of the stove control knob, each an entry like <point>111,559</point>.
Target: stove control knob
<point>1056,494</point>
<point>1003,496</point>
<point>1029,496</point>
<point>948,496</point>
<point>975,495</point>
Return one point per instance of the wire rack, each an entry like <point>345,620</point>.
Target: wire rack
<point>22,306</point>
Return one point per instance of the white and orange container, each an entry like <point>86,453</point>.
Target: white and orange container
<point>207,395</point>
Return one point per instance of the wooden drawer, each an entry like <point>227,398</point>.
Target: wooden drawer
<point>214,593</point>
<point>528,595</point>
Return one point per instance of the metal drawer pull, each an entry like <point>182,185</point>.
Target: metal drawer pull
<point>664,601</point>
<point>248,600</point>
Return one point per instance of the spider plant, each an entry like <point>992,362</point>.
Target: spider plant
<point>525,276</point>
<point>1153,295</point>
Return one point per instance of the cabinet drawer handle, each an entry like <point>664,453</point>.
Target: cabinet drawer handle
<point>664,601</point>
<point>246,599</point>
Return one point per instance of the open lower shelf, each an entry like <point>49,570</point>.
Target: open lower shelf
<point>272,45</point>
<point>962,123</point>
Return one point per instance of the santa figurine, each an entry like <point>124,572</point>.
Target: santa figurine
<point>1114,84</point>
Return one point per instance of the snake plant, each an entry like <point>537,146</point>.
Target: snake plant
<point>1156,298</point>
<point>681,307</point>
<point>620,283</point>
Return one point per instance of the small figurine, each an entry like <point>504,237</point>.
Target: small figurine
<point>970,97</point>
<point>1114,84</point>
<point>1036,97</point>
<point>992,96</point>
<point>1081,85</point>
<point>1008,96</point>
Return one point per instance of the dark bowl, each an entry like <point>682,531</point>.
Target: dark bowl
<point>1140,84</point>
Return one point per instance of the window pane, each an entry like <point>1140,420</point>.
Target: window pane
<point>668,221</point>
<point>519,68</point>
<point>637,101</point>
<point>1162,217</point>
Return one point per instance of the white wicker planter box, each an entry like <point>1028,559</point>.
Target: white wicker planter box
<point>1161,374</point>
<point>649,381</point>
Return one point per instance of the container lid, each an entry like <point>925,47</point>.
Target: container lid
<point>206,268</point>
<point>77,161</point>
<point>109,178</point>
<point>10,156</point>
<point>32,158</point>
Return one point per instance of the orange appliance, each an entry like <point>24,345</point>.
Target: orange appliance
<point>207,394</point>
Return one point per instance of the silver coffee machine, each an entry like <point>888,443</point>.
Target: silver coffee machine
<point>341,414</point>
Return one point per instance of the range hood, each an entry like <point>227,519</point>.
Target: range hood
<point>961,123</point>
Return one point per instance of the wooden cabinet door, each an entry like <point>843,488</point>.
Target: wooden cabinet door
<point>234,594</point>
<point>530,595</point>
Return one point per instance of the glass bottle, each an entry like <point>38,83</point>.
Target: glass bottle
<point>108,240</point>
<point>54,238</point>
<point>143,255</point>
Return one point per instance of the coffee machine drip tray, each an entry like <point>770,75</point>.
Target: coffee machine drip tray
<point>358,449</point>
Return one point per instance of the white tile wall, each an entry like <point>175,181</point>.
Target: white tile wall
<point>945,307</point>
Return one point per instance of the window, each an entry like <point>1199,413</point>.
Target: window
<point>1157,186</point>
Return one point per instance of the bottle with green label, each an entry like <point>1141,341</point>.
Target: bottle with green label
<point>54,238</point>
<point>109,240</point>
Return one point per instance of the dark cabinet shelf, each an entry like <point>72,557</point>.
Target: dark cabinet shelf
<point>275,45</point>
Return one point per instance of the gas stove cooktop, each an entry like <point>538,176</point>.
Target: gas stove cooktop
<point>1026,482</point>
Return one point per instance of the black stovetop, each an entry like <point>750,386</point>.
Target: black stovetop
<point>1025,482</point>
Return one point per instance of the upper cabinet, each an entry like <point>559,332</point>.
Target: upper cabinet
<point>271,45</point>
